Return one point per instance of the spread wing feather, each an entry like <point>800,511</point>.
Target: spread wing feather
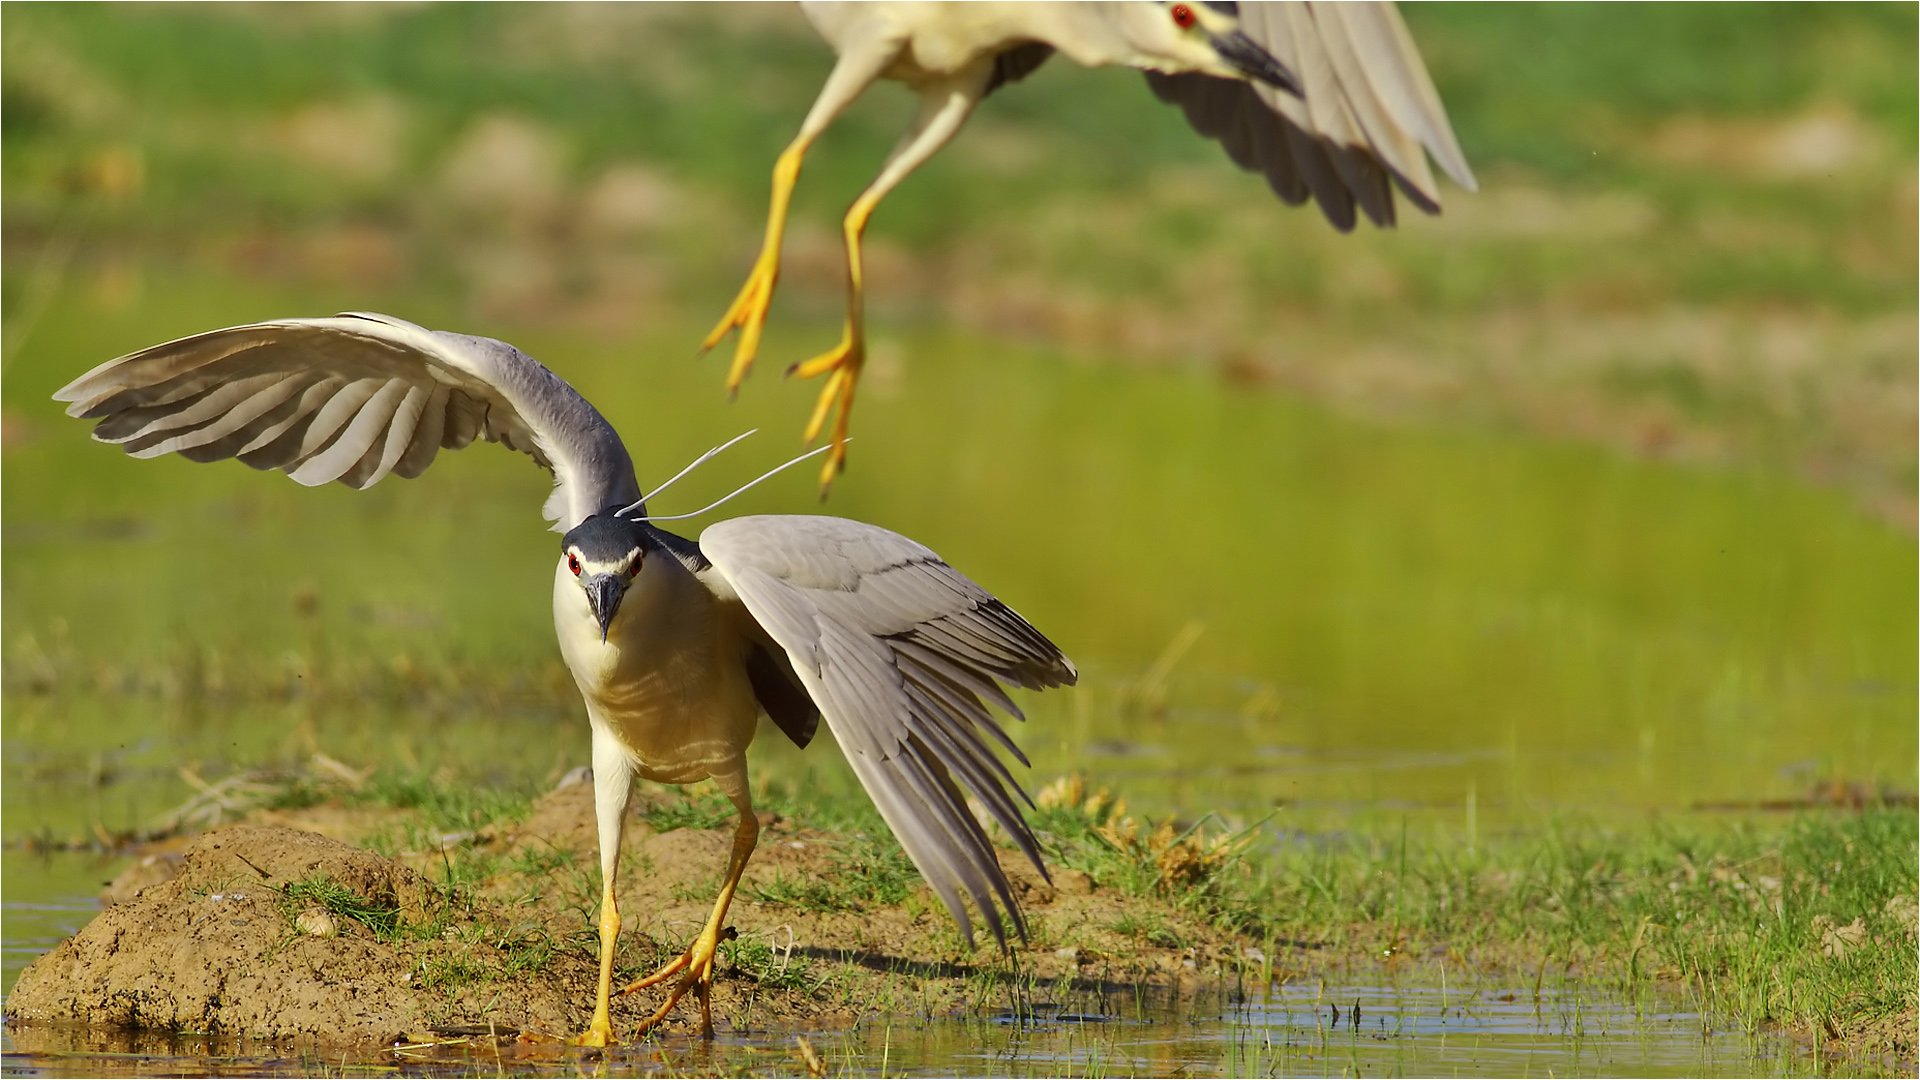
<point>354,398</point>
<point>1366,123</point>
<point>903,655</point>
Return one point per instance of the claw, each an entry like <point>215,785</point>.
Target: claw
<point>749,315</point>
<point>599,1034</point>
<point>660,976</point>
<point>842,367</point>
<point>697,965</point>
<point>749,310</point>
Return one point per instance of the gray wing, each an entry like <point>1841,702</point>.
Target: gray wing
<point>1369,117</point>
<point>899,650</point>
<point>353,398</point>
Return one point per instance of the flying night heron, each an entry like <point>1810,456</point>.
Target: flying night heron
<point>677,646</point>
<point>1328,101</point>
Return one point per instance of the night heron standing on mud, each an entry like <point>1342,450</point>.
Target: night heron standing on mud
<point>676,646</point>
<point>1328,101</point>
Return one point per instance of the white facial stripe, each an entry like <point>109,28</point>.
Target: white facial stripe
<point>598,566</point>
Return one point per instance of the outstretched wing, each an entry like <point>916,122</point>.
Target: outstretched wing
<point>353,398</point>
<point>898,649</point>
<point>1368,118</point>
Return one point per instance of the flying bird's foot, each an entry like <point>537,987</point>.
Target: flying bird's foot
<point>842,367</point>
<point>749,315</point>
<point>695,967</point>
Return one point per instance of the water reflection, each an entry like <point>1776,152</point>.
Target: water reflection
<point>1418,1026</point>
<point>1427,1019</point>
<point>48,899</point>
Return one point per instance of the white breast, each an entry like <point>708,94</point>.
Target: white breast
<point>670,680</point>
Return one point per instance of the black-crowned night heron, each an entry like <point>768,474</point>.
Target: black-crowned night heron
<point>676,646</point>
<point>1328,100</point>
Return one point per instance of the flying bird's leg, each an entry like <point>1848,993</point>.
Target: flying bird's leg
<point>612,783</point>
<point>856,70</point>
<point>942,110</point>
<point>696,964</point>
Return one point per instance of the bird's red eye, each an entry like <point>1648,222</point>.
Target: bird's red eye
<point>634,570</point>
<point>1183,17</point>
<point>573,564</point>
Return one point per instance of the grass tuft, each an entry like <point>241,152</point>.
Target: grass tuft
<point>865,871</point>
<point>380,917</point>
<point>701,808</point>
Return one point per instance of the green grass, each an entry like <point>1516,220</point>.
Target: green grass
<point>459,939</point>
<point>442,805</point>
<point>1805,922</point>
<point>770,962</point>
<point>867,869</point>
<point>698,807</point>
<point>1739,914</point>
<point>381,919</point>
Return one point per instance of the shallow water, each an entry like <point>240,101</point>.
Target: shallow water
<point>1416,1026</point>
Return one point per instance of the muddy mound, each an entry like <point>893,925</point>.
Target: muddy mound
<point>273,932</point>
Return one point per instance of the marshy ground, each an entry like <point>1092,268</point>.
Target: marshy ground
<point>277,929</point>
<point>344,913</point>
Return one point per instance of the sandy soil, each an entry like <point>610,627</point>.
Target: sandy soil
<point>216,937</point>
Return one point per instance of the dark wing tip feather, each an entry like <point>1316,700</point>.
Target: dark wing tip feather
<point>1372,92</point>
<point>1017,63</point>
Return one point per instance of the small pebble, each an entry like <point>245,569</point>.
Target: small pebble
<point>317,922</point>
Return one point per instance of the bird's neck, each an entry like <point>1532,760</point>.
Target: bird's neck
<point>665,603</point>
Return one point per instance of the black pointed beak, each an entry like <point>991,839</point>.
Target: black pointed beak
<point>603,595</point>
<point>1247,57</point>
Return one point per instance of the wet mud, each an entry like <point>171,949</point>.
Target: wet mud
<point>281,927</point>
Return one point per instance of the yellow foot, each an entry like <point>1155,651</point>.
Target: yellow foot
<point>748,314</point>
<point>842,367</point>
<point>696,973</point>
<point>599,1033</point>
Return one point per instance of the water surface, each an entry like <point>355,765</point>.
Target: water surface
<point>1410,1026</point>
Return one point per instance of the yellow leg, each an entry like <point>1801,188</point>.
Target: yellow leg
<point>600,1031</point>
<point>749,311</point>
<point>843,362</point>
<point>942,110</point>
<point>696,964</point>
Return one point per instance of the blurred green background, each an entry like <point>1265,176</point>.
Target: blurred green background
<point>1596,493</point>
